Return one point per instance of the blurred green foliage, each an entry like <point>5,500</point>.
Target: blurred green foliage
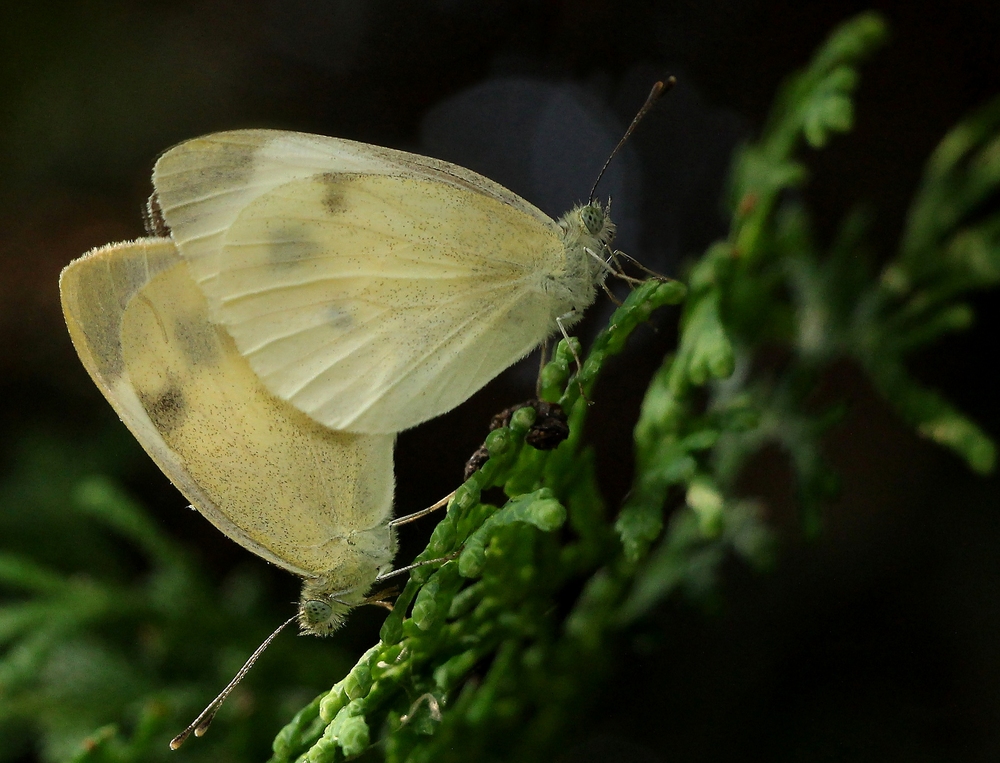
<point>493,654</point>
<point>108,620</point>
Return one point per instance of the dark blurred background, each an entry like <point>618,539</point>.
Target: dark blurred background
<point>878,641</point>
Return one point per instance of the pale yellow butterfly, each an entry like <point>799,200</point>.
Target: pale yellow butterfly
<point>373,289</point>
<point>369,288</point>
<point>311,500</point>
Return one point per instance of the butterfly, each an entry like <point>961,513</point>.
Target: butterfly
<point>370,288</point>
<point>309,298</point>
<point>314,501</point>
<point>304,299</point>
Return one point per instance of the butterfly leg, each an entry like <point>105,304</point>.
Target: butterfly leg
<point>608,270</point>
<point>423,512</point>
<point>576,358</point>
<point>604,264</point>
<point>403,570</point>
<point>378,599</point>
<point>611,296</point>
<point>543,358</point>
<point>619,253</point>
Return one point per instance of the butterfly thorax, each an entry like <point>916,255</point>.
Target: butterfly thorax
<point>587,232</point>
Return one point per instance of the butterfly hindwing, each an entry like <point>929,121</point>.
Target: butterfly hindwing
<point>272,479</point>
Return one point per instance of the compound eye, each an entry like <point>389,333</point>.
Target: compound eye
<point>316,611</point>
<point>593,218</point>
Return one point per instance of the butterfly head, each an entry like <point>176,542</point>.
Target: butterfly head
<point>596,221</point>
<point>323,608</point>
<point>592,216</point>
<point>587,226</point>
<point>323,615</point>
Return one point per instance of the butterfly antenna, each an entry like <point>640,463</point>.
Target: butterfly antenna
<point>200,724</point>
<point>658,90</point>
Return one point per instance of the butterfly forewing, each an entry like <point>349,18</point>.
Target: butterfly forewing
<point>375,291</point>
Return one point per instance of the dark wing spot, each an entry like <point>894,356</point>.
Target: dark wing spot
<point>225,162</point>
<point>339,318</point>
<point>334,196</point>
<point>199,341</point>
<point>166,409</point>
<point>291,245</point>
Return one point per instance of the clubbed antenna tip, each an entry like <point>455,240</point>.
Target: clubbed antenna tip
<point>658,89</point>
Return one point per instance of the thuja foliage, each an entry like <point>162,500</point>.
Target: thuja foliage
<point>106,653</point>
<point>491,653</point>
